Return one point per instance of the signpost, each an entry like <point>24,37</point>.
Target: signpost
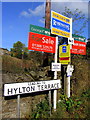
<point>56,66</point>
<point>18,106</point>
<point>60,25</point>
<point>39,42</point>
<point>55,75</point>
<point>30,87</point>
<point>71,41</point>
<point>64,54</point>
<point>69,70</point>
<point>79,46</point>
<point>39,30</point>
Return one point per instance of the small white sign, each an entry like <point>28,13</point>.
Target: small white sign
<point>70,69</point>
<point>71,41</point>
<point>56,66</point>
<point>30,87</point>
<point>69,74</point>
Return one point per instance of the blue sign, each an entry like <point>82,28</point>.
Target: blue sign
<point>64,49</point>
<point>60,25</point>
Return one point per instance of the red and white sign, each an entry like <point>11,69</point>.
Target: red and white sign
<point>39,42</point>
<point>79,48</point>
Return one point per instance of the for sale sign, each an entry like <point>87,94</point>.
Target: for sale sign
<point>79,46</point>
<point>40,42</point>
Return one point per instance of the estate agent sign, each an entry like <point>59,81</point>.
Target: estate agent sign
<point>39,30</point>
<point>79,46</point>
<point>40,40</point>
<point>60,25</point>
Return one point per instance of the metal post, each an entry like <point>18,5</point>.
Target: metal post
<point>68,78</point>
<point>18,107</point>
<point>50,101</point>
<point>65,79</point>
<point>55,76</point>
<point>68,86</point>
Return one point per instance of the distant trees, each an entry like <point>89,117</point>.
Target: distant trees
<point>88,48</point>
<point>19,50</point>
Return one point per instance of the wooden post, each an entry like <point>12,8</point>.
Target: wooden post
<point>47,25</point>
<point>47,14</point>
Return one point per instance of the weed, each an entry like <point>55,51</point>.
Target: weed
<point>42,110</point>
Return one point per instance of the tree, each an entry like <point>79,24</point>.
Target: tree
<point>88,48</point>
<point>18,49</point>
<point>78,18</point>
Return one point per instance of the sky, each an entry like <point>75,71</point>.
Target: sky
<point>17,17</point>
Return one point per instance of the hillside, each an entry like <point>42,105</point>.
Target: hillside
<point>17,70</point>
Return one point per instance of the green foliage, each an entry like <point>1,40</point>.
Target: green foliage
<point>71,103</point>
<point>88,49</point>
<point>19,50</point>
<point>73,107</point>
<point>42,110</point>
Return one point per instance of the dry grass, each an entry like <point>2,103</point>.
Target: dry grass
<point>80,78</point>
<point>15,65</point>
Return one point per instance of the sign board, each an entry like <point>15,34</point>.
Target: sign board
<point>79,46</point>
<point>69,74</point>
<point>64,54</point>
<point>71,41</point>
<point>39,30</point>
<point>56,66</point>
<point>40,42</point>
<point>30,87</point>
<point>69,70</point>
<point>79,38</point>
<point>60,25</point>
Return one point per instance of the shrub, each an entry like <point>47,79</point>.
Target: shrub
<point>42,110</point>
